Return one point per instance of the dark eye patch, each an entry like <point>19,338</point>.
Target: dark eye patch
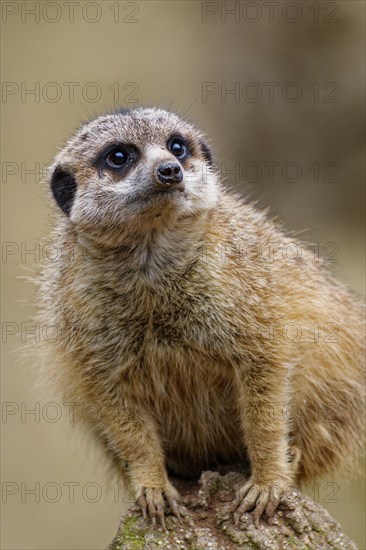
<point>118,157</point>
<point>179,147</point>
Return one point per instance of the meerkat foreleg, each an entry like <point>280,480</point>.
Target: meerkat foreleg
<point>132,436</point>
<point>263,390</point>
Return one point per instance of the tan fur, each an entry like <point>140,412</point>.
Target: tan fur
<point>173,319</point>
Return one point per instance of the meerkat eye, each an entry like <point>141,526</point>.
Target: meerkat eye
<point>178,147</point>
<point>117,158</point>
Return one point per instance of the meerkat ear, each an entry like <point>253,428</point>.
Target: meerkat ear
<point>63,186</point>
<point>206,152</point>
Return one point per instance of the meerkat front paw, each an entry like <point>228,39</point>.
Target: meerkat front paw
<point>151,502</point>
<point>258,498</point>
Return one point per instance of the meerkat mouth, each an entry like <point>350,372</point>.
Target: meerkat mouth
<point>159,200</point>
<point>169,189</point>
<point>166,194</point>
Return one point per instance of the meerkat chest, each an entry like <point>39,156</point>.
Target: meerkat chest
<point>170,318</point>
<point>127,328</point>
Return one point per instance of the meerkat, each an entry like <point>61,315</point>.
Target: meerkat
<point>184,322</point>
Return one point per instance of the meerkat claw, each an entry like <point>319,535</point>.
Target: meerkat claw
<point>257,499</point>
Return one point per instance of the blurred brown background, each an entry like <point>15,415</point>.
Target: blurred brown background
<point>291,133</point>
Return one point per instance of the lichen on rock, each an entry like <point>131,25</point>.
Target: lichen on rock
<point>299,523</point>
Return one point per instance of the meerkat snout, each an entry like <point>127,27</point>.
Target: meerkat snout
<point>169,175</point>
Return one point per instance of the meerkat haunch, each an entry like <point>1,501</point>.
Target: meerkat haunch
<point>192,321</point>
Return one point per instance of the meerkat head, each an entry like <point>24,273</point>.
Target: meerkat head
<point>130,171</point>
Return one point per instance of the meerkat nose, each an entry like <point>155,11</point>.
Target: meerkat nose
<point>169,175</point>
